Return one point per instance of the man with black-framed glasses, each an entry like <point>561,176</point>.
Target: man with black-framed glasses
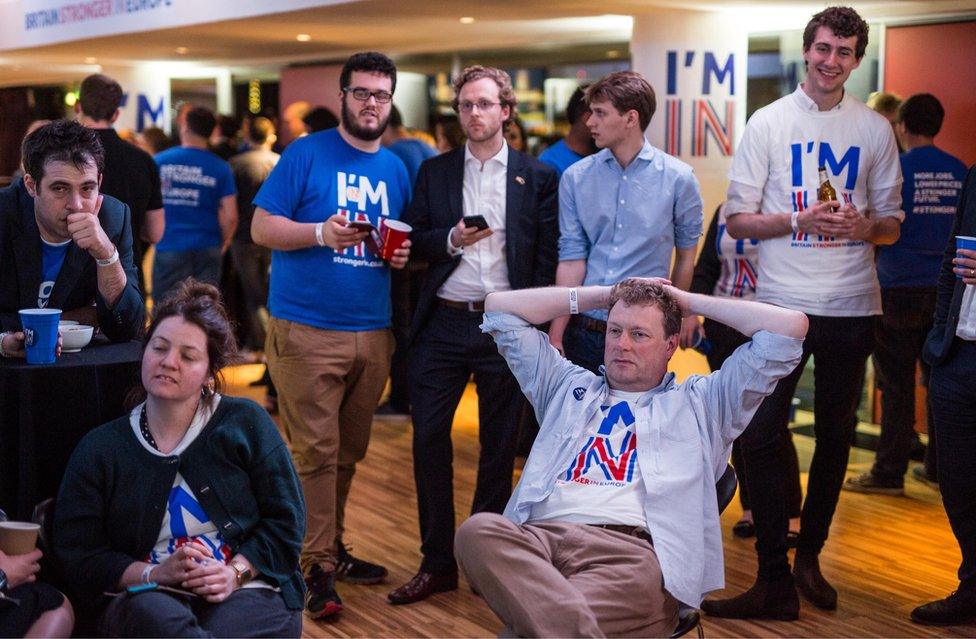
<point>329,341</point>
<point>484,217</point>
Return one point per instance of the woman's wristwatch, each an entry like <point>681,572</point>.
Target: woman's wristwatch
<point>242,571</point>
<point>3,336</point>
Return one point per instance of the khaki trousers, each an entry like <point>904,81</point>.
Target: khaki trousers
<point>329,383</point>
<point>555,579</point>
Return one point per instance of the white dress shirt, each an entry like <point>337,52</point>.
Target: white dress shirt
<point>483,268</point>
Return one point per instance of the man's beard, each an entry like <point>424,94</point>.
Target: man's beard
<point>363,133</point>
<point>487,133</point>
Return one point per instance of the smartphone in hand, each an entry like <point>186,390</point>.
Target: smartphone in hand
<point>477,221</point>
<point>374,242</point>
<point>362,226</point>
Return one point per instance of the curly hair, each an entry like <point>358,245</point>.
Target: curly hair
<point>200,304</point>
<point>637,292</point>
<point>506,94</point>
<point>844,22</point>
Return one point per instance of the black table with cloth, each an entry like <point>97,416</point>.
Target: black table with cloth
<point>46,409</point>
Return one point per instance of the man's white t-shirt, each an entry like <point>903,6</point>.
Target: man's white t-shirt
<point>602,484</point>
<point>775,170</point>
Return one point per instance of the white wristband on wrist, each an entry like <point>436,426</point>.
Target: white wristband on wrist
<point>573,301</point>
<point>111,260</point>
<point>147,573</point>
<point>795,222</point>
<point>318,234</point>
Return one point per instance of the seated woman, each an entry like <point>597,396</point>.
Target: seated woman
<point>192,491</point>
<point>29,608</point>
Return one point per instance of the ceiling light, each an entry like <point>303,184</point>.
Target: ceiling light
<point>467,20</point>
<point>70,98</point>
<point>181,50</point>
<point>303,37</point>
<point>90,60</point>
<point>613,53</point>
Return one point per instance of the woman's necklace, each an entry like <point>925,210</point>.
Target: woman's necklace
<point>144,427</point>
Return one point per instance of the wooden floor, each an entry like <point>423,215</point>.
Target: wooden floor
<point>885,554</point>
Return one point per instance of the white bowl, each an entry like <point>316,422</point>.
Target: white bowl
<point>64,323</point>
<point>76,337</point>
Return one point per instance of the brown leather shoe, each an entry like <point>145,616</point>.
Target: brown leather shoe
<point>423,585</point>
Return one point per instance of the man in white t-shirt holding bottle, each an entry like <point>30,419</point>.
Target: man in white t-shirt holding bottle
<point>815,257</point>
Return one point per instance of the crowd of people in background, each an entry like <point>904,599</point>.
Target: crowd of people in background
<point>589,237</point>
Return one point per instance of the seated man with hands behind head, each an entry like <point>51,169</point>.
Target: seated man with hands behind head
<point>614,519</point>
<point>63,244</point>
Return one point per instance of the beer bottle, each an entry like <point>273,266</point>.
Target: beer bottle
<point>826,191</point>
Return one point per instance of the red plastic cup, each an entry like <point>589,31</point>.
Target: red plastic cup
<point>394,234</point>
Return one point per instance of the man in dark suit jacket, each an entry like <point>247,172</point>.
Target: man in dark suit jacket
<point>951,351</point>
<point>62,244</point>
<point>516,196</point>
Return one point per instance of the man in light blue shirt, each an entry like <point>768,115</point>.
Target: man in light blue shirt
<point>622,211</point>
<point>618,494</point>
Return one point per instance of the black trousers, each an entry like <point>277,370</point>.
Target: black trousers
<point>584,347</point>
<point>449,349</point>
<point>725,340</point>
<point>840,347</point>
<point>252,263</point>
<point>899,336</point>
<point>953,403</point>
<point>403,287</point>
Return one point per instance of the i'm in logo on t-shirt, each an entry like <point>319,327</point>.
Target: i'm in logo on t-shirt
<point>602,482</point>
<point>609,456</point>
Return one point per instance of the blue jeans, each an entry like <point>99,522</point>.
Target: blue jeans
<point>584,347</point>
<point>172,267</point>
<point>248,612</point>
<point>954,410</point>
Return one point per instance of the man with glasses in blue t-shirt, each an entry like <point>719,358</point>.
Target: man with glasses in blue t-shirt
<point>329,341</point>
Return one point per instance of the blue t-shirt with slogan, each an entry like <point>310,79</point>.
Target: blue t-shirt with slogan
<point>193,182</point>
<point>317,177</point>
<point>52,258</point>
<point>930,194</point>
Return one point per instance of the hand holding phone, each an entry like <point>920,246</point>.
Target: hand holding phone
<point>475,221</point>
<point>362,226</point>
<point>469,229</point>
<point>374,243</point>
